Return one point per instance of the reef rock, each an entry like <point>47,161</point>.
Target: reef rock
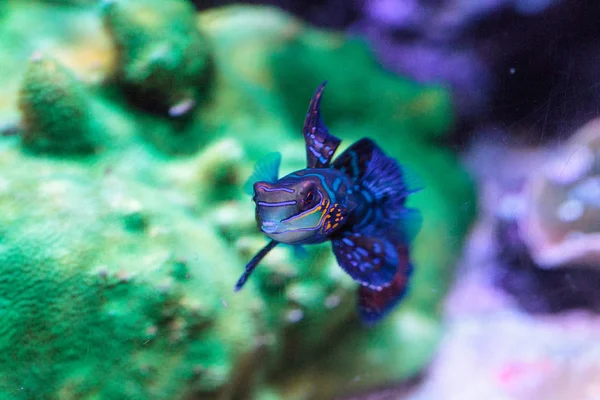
<point>542,206</point>
<point>124,227</point>
<point>562,223</point>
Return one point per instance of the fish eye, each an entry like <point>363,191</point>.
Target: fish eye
<point>309,200</point>
<point>310,197</point>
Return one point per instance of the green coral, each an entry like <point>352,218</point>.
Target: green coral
<point>404,108</point>
<point>73,36</point>
<point>55,110</point>
<point>161,52</point>
<point>313,299</point>
<point>89,304</point>
<point>117,270</point>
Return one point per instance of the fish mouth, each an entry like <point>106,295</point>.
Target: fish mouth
<point>270,227</point>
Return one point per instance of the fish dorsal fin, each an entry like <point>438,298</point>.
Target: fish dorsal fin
<point>355,159</point>
<point>382,180</point>
<point>265,170</point>
<point>320,145</point>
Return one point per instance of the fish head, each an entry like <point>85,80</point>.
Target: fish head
<point>291,210</point>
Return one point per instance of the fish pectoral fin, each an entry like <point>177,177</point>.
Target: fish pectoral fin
<point>371,258</point>
<point>410,221</point>
<point>299,251</point>
<point>265,170</point>
<point>375,304</point>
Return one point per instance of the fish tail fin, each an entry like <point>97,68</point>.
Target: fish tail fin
<point>374,304</point>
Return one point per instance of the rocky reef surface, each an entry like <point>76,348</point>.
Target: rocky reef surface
<point>128,128</point>
<point>522,318</point>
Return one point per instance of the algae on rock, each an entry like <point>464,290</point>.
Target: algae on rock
<point>117,269</point>
<point>312,299</point>
<point>162,56</point>
<point>55,110</point>
<point>93,304</point>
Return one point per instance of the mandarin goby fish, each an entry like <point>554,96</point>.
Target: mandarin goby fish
<point>356,201</point>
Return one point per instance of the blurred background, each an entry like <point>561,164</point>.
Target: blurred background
<point>128,128</point>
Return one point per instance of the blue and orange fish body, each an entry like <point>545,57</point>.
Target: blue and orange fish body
<point>304,207</point>
<point>356,201</point>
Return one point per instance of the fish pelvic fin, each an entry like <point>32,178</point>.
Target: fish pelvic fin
<point>251,266</point>
<point>385,185</point>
